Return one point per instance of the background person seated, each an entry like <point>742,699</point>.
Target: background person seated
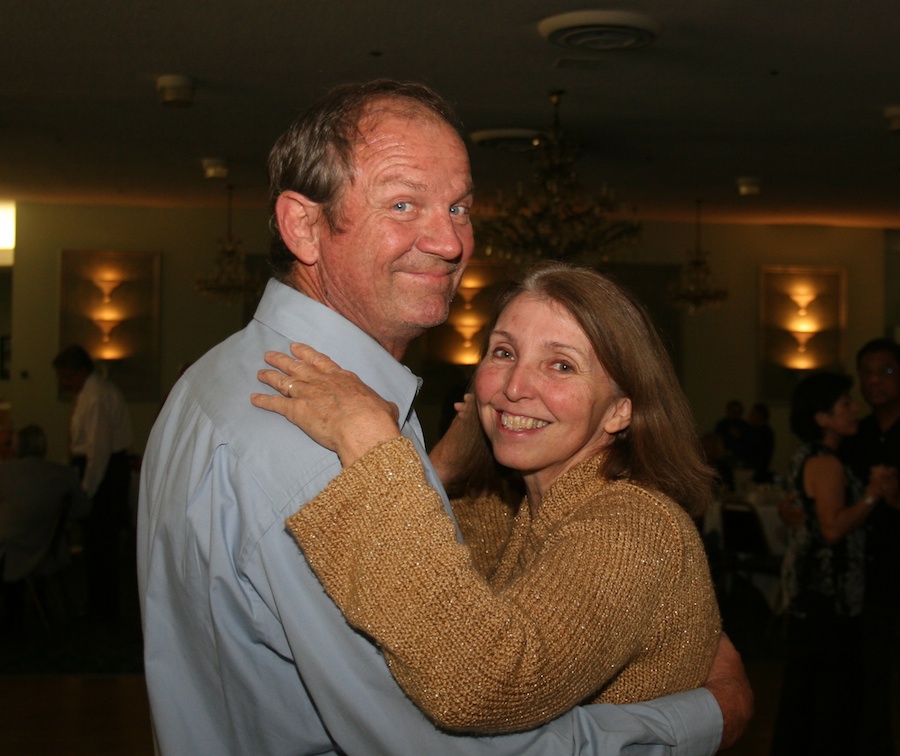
<point>34,493</point>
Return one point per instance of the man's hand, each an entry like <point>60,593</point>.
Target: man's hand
<point>728,682</point>
<point>883,483</point>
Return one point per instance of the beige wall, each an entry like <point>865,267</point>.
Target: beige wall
<point>187,241</point>
<point>720,348</point>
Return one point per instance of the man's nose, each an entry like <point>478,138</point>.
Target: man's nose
<point>442,236</point>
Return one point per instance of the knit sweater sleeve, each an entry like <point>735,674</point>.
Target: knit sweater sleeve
<point>485,524</point>
<point>473,657</point>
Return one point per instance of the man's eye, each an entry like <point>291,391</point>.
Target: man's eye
<point>460,210</point>
<point>403,207</point>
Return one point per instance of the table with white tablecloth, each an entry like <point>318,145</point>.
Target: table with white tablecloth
<point>763,500</point>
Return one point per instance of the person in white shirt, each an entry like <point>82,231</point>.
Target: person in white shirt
<point>99,435</point>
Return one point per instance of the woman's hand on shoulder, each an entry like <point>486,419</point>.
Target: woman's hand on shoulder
<point>449,452</point>
<point>331,405</point>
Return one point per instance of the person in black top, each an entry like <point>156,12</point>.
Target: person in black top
<point>878,443</point>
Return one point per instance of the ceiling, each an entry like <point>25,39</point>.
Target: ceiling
<point>790,92</point>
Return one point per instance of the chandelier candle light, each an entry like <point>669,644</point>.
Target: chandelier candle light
<point>695,288</point>
<point>230,278</point>
<point>554,217</point>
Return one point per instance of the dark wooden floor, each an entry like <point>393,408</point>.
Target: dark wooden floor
<point>101,714</point>
<point>109,715</point>
<point>91,714</point>
<point>78,688</point>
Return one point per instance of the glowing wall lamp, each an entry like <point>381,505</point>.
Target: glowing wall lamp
<point>469,287</point>
<point>803,328</point>
<point>107,285</point>
<point>107,326</point>
<point>7,232</point>
<point>802,338</point>
<point>467,330</point>
<point>802,324</point>
<point>469,353</point>
<point>802,299</point>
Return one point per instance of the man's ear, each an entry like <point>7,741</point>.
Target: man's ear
<point>621,416</point>
<point>299,221</point>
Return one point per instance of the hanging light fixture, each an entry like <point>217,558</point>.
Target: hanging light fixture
<point>554,217</point>
<point>695,288</point>
<point>230,278</point>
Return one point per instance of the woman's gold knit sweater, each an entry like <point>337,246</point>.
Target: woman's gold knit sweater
<point>604,597</point>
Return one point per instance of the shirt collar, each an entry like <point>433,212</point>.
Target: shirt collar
<point>297,317</point>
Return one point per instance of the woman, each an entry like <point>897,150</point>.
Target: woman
<point>595,588</point>
<point>824,575</point>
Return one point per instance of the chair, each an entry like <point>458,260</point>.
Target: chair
<point>744,538</point>
<point>746,554</point>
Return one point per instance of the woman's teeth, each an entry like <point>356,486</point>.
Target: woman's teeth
<point>519,422</point>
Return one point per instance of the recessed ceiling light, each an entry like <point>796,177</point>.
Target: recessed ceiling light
<point>600,30</point>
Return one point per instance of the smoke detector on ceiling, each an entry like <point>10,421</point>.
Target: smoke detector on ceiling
<point>508,140</point>
<point>599,30</point>
<point>892,114</point>
<point>214,168</point>
<point>175,90</point>
<point>748,186</point>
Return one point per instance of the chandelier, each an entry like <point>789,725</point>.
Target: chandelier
<point>554,217</point>
<point>230,278</point>
<point>695,288</point>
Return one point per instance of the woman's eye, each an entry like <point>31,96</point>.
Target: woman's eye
<point>564,367</point>
<point>502,353</point>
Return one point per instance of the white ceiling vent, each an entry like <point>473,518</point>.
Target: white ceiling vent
<point>599,30</point>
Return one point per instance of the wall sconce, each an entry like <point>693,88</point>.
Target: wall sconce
<point>802,338</point>
<point>469,288</point>
<point>802,299</point>
<point>468,293</point>
<point>802,324</point>
<point>107,326</point>
<point>467,330</point>
<point>803,328</point>
<point>469,353</point>
<point>107,286</point>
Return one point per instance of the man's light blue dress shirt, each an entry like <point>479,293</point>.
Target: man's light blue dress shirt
<point>244,652</point>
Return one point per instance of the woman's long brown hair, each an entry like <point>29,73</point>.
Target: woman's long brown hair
<point>660,450</point>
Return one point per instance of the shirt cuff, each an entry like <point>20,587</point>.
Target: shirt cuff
<point>696,721</point>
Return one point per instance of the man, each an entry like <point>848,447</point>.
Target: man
<point>877,442</point>
<point>36,498</point>
<point>244,652</point>
<point>99,435</point>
